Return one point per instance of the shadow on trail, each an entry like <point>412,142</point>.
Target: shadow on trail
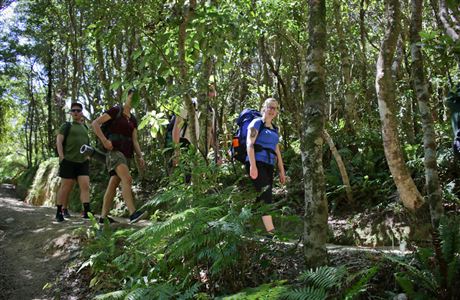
<point>33,248</point>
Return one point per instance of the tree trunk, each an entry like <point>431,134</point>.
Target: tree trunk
<point>74,50</point>
<point>384,85</point>
<point>420,86</point>
<point>350,110</point>
<point>49,99</point>
<point>449,22</point>
<point>101,70</point>
<point>187,15</point>
<point>314,94</point>
<point>341,166</point>
<point>203,100</point>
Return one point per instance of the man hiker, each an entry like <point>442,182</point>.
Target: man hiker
<point>121,143</point>
<point>73,166</point>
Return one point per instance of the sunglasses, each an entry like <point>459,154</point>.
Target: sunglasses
<point>75,110</point>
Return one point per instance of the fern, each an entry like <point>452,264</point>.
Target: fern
<point>434,272</point>
<point>307,293</point>
<point>450,238</point>
<point>116,295</point>
<point>359,286</point>
<point>138,294</point>
<point>203,232</point>
<point>421,277</point>
<point>190,292</point>
<point>324,277</point>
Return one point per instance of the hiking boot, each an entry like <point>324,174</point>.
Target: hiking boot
<point>85,215</point>
<point>271,235</point>
<point>101,220</point>
<point>59,217</point>
<point>65,213</point>
<point>136,216</point>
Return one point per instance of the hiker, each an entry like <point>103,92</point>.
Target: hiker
<point>120,145</point>
<point>73,166</point>
<point>181,134</point>
<point>262,153</point>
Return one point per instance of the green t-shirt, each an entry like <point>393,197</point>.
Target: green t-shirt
<point>78,135</point>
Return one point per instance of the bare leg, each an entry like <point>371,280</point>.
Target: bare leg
<point>268,223</point>
<point>126,182</point>
<point>64,191</point>
<point>83,183</point>
<point>110,192</point>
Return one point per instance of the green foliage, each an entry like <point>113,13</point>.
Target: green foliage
<point>25,180</point>
<point>272,290</point>
<point>330,282</point>
<point>202,241</point>
<point>434,273</point>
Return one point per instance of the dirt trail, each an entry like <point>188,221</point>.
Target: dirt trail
<point>33,248</point>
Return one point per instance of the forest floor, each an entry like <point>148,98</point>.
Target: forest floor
<point>34,249</point>
<point>39,257</point>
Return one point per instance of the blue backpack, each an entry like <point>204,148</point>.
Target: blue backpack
<point>238,147</point>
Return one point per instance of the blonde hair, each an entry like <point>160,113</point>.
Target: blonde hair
<point>267,102</point>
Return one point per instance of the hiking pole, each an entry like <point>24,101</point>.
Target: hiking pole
<point>93,152</point>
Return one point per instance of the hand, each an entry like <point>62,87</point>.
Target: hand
<point>175,158</point>
<point>61,158</point>
<point>141,163</point>
<point>107,144</point>
<point>282,178</point>
<point>253,172</point>
<point>175,161</point>
<point>219,161</point>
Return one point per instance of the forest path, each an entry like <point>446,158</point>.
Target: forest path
<point>33,248</point>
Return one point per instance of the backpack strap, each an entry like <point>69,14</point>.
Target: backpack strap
<point>67,127</point>
<point>66,133</point>
<point>258,147</point>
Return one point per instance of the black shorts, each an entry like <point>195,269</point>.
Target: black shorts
<point>264,181</point>
<point>71,170</point>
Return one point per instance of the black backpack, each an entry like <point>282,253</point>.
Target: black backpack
<point>238,147</point>
<point>169,130</point>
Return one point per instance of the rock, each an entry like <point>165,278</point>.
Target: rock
<point>9,220</point>
<point>400,297</point>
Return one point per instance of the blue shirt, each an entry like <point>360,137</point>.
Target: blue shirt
<point>268,139</point>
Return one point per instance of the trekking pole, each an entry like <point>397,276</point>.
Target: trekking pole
<point>93,152</point>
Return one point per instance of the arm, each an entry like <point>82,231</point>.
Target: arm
<point>176,129</point>
<point>250,141</point>
<point>176,138</point>
<point>137,149</point>
<point>59,146</point>
<point>96,125</point>
<point>280,165</point>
